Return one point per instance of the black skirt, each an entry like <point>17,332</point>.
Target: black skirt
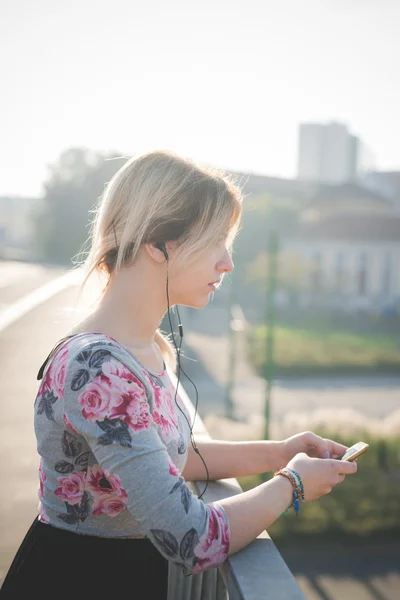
<point>52,563</point>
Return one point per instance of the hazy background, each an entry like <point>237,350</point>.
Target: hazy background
<point>224,82</point>
<point>300,101</point>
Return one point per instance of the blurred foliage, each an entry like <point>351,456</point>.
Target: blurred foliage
<point>364,504</point>
<point>261,215</point>
<point>74,184</point>
<point>291,273</point>
<point>323,349</point>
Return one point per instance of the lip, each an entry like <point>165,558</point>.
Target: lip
<point>215,284</point>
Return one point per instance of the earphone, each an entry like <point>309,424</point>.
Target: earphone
<point>163,249</point>
<point>161,246</point>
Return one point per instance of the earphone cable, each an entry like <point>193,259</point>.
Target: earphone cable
<point>178,353</point>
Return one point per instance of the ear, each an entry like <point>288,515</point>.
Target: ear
<point>155,253</point>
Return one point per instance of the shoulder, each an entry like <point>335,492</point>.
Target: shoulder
<point>97,360</point>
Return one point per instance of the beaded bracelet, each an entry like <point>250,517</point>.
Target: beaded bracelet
<point>294,479</point>
<point>299,482</point>
<point>298,488</point>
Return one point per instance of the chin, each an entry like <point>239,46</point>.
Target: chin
<point>197,303</point>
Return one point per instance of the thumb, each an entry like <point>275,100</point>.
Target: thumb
<point>347,467</point>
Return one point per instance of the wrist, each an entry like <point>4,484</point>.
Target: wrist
<point>285,490</point>
<point>281,456</point>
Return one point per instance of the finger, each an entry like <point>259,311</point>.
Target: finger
<point>335,449</point>
<point>318,447</point>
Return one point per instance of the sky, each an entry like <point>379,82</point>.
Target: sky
<point>224,82</point>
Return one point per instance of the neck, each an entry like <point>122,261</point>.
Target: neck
<point>132,306</point>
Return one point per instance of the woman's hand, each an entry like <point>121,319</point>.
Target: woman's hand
<point>311,444</point>
<point>320,476</point>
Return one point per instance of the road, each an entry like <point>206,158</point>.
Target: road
<point>25,343</point>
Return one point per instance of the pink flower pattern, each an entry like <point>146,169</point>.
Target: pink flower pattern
<point>68,424</point>
<point>118,372</point>
<point>109,496</point>
<point>54,380</point>
<point>102,483</point>
<point>110,506</point>
<point>98,399</point>
<point>137,415</point>
<point>164,414</point>
<point>116,394</point>
<point>213,546</point>
<point>173,470</point>
<point>71,487</point>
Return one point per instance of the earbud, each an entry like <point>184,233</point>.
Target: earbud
<point>161,246</point>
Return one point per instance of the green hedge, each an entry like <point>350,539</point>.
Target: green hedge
<point>324,351</point>
<point>364,504</point>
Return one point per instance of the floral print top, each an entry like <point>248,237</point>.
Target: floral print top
<point>112,444</point>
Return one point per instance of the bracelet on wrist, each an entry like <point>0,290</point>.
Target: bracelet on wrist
<point>299,482</point>
<point>298,488</point>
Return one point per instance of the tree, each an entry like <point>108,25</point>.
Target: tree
<point>261,215</point>
<point>75,182</point>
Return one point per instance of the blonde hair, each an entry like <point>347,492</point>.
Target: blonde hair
<point>156,198</point>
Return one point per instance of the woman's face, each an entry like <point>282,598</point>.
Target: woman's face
<point>191,283</point>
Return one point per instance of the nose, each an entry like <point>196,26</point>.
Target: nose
<point>225,265</point>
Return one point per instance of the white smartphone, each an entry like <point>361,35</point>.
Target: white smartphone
<point>355,451</point>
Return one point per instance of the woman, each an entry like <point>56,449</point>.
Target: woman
<point>112,433</point>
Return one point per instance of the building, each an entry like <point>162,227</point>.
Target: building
<point>361,161</point>
<point>276,187</point>
<point>347,198</point>
<point>347,246</point>
<point>386,183</point>
<point>329,153</point>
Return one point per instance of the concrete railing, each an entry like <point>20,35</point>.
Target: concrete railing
<point>256,572</point>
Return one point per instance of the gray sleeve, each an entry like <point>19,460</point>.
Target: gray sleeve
<point>107,404</point>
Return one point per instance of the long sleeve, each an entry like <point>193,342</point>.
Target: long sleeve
<point>111,407</point>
